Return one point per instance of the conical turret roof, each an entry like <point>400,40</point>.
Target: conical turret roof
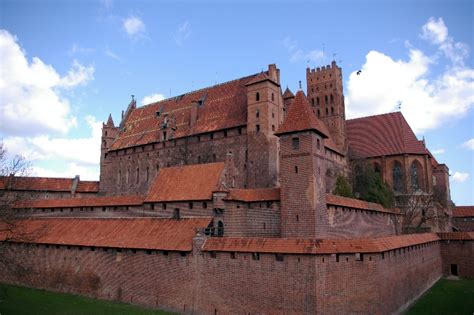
<point>301,118</point>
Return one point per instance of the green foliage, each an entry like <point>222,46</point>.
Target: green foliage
<point>343,187</point>
<point>368,186</point>
<point>20,300</point>
<point>446,297</point>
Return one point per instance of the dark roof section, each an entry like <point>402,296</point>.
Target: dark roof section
<point>311,246</point>
<point>379,135</point>
<point>288,94</point>
<point>186,183</point>
<point>137,233</point>
<point>224,106</point>
<point>302,118</point>
<point>358,204</point>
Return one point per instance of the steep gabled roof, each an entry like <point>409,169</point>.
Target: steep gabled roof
<point>186,183</point>
<point>312,246</point>
<point>221,106</point>
<point>302,118</point>
<point>386,134</point>
<point>150,233</point>
<point>254,195</point>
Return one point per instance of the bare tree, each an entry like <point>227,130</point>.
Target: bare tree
<point>422,211</point>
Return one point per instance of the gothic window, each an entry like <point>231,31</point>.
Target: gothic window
<point>319,113</point>
<point>318,144</point>
<point>295,142</point>
<point>317,100</point>
<point>312,101</point>
<point>258,128</point>
<point>397,176</point>
<point>332,110</point>
<point>327,111</point>
<point>273,97</point>
<point>325,99</point>
<point>415,175</point>
<point>257,114</point>
<point>332,99</point>
<point>257,96</point>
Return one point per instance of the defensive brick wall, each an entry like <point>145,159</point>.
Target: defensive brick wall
<point>458,255</point>
<point>226,282</point>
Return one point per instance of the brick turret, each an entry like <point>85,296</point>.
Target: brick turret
<point>109,133</point>
<point>264,116</point>
<point>325,93</point>
<point>302,169</point>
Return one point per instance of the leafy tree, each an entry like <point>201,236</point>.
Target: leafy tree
<point>343,187</point>
<point>369,186</point>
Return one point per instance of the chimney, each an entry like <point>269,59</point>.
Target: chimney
<point>274,73</point>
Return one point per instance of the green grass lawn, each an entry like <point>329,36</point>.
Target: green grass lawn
<point>450,297</point>
<point>19,300</point>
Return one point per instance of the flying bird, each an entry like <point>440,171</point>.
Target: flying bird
<point>359,72</point>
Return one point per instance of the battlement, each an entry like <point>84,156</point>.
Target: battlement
<point>328,69</point>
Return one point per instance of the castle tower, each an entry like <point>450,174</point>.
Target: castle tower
<point>264,116</point>
<point>288,98</point>
<point>109,133</point>
<point>325,93</point>
<point>302,172</point>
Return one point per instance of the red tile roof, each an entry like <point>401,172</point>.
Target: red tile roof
<point>186,183</point>
<point>150,233</point>
<point>457,236</point>
<point>288,94</point>
<point>387,134</point>
<point>357,204</point>
<point>308,246</point>
<point>81,202</point>
<point>224,106</point>
<point>87,186</point>
<point>46,184</point>
<point>262,76</point>
<point>301,117</point>
<point>253,195</point>
<point>463,211</point>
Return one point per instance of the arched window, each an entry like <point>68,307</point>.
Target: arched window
<point>257,96</point>
<point>317,100</point>
<point>415,175</point>
<point>220,229</point>
<point>273,97</point>
<point>325,99</point>
<point>397,176</point>
<point>257,114</point>
<point>319,113</point>
<point>332,99</point>
<point>312,101</point>
<point>332,110</point>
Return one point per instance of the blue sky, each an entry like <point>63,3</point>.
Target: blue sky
<point>65,65</point>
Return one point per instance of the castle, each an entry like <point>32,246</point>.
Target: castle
<point>220,201</point>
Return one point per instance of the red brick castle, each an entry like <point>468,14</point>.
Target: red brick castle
<point>219,201</point>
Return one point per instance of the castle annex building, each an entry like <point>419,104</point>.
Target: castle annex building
<point>220,201</point>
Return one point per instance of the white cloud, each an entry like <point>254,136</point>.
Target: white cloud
<point>297,54</point>
<point>435,31</point>
<point>30,92</point>
<point>134,27</point>
<point>385,83</point>
<point>459,177</point>
<point>111,54</point>
<point>183,32</point>
<point>438,151</point>
<point>469,144</point>
<point>76,49</point>
<point>84,151</point>
<point>152,98</point>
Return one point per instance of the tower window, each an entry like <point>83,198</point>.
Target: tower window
<point>273,97</point>
<point>332,110</point>
<point>273,127</point>
<point>319,113</point>
<point>257,114</point>
<point>325,99</point>
<point>296,169</point>
<point>327,111</point>
<point>164,135</point>
<point>138,175</point>
<point>257,127</point>
<point>318,144</point>
<point>332,99</point>
<point>317,100</point>
<point>312,101</point>
<point>257,96</point>
<point>295,143</point>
